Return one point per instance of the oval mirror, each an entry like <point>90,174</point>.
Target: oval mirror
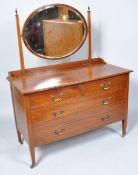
<point>54,31</point>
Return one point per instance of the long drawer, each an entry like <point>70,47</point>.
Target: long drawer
<point>105,85</point>
<point>75,110</point>
<point>71,93</point>
<point>49,133</point>
<point>54,96</point>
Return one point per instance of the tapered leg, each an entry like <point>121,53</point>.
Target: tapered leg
<point>19,137</point>
<point>124,121</point>
<point>32,153</point>
<point>124,125</point>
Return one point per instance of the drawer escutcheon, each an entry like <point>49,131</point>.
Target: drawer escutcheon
<point>106,85</point>
<point>106,118</point>
<point>59,131</point>
<point>106,101</point>
<point>58,114</point>
<point>57,98</point>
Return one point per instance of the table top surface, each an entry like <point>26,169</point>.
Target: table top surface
<point>55,76</point>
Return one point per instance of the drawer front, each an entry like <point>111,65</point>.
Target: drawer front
<point>50,133</point>
<point>54,96</point>
<point>71,93</point>
<point>75,110</point>
<point>105,85</point>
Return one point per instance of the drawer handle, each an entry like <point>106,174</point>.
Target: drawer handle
<point>57,98</point>
<point>106,101</point>
<point>106,118</point>
<point>106,85</point>
<point>59,131</point>
<point>58,114</point>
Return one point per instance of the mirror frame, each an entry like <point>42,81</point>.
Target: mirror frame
<point>46,7</point>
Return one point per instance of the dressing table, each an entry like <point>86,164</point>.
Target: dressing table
<point>59,101</point>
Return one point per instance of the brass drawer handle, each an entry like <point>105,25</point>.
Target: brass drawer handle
<point>58,114</point>
<point>106,85</point>
<point>57,98</point>
<point>106,118</point>
<point>59,131</point>
<point>106,101</point>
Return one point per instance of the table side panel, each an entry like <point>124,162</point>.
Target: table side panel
<point>20,113</point>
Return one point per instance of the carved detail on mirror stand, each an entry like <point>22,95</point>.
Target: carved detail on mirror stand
<point>20,42</point>
<point>89,36</point>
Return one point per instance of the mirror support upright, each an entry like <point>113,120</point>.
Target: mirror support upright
<point>20,43</point>
<point>89,36</point>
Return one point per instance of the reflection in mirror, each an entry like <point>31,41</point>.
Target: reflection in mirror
<point>54,32</point>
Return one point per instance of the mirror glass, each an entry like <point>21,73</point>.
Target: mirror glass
<point>55,31</point>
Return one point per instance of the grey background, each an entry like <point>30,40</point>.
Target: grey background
<point>115,38</point>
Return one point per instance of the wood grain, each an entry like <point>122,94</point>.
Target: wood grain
<point>19,112</point>
<point>54,96</point>
<point>61,95</point>
<point>74,111</point>
<point>20,44</point>
<point>60,101</point>
<point>40,79</point>
<point>51,132</point>
<point>89,36</point>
